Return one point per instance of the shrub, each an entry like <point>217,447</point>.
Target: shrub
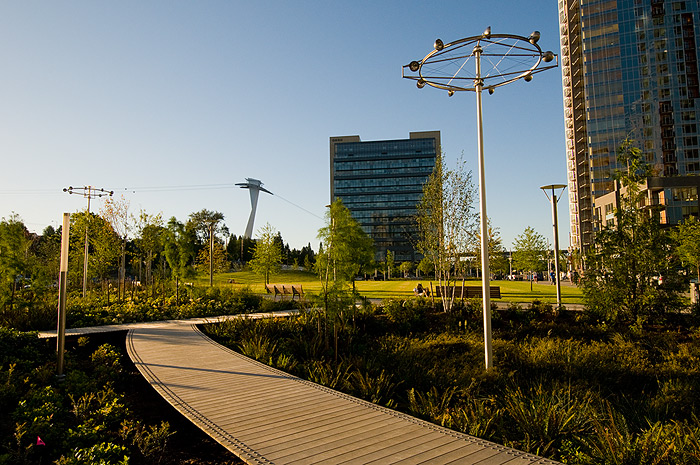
<point>406,314</point>
<point>106,361</point>
<point>152,441</point>
<point>377,389</point>
<point>104,453</point>
<point>433,406</point>
<point>324,373</point>
<point>258,347</point>
<point>476,417</point>
<point>614,442</point>
<point>543,421</point>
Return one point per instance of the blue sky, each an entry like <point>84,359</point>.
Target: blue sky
<point>151,98</point>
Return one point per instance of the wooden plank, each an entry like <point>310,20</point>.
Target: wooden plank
<point>266,416</point>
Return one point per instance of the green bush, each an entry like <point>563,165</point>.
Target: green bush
<point>104,453</point>
<point>545,421</point>
<point>407,315</point>
<point>378,389</point>
<point>544,394</point>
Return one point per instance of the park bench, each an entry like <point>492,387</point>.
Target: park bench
<point>285,289</point>
<point>468,292</point>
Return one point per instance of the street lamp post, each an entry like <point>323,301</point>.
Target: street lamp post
<point>554,201</point>
<point>511,57</point>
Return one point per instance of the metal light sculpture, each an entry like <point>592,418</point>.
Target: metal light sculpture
<point>508,58</point>
<point>255,187</point>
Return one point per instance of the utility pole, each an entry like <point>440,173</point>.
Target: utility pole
<point>88,192</point>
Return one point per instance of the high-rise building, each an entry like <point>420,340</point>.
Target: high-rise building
<point>630,71</point>
<point>381,183</point>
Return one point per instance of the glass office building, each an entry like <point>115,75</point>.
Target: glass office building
<point>629,70</point>
<point>381,183</point>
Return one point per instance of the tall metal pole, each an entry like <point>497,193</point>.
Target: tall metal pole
<point>510,58</point>
<point>555,225</point>
<point>556,247</point>
<point>485,272</point>
<point>211,255</point>
<point>62,280</point>
<point>85,254</point>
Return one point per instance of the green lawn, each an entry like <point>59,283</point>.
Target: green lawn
<point>511,291</point>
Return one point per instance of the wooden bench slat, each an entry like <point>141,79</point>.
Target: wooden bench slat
<point>470,292</point>
<point>285,289</point>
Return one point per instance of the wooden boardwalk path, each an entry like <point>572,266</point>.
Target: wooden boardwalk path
<point>266,416</point>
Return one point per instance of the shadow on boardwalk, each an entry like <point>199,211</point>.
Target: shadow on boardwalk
<point>266,416</point>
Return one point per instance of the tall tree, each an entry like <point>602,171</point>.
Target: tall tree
<point>221,263</point>
<point>497,260</point>
<point>48,253</point>
<point>344,251</point>
<point>406,267</point>
<point>267,254</point>
<point>116,212</point>
<point>390,263</point>
<point>447,223</point>
<point>529,252</point>
<point>14,258</point>
<point>208,225</point>
<point>149,240</point>
<point>179,251</point>
<point>104,246</point>
<point>686,237</point>
<point>348,248</point>
<point>621,276</point>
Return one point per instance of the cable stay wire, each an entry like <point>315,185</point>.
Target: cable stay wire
<point>299,207</point>
<point>146,189</point>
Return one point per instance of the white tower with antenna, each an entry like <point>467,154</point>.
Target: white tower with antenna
<point>255,186</point>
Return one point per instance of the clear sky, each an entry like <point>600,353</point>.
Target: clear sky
<point>170,103</point>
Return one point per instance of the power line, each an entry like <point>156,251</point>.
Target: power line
<point>178,188</point>
<point>145,189</point>
<point>299,207</point>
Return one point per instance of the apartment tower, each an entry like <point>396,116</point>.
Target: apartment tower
<point>630,71</point>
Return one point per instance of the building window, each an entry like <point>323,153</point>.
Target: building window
<point>678,6</point>
<point>685,194</point>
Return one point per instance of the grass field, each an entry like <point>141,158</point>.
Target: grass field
<point>511,291</point>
